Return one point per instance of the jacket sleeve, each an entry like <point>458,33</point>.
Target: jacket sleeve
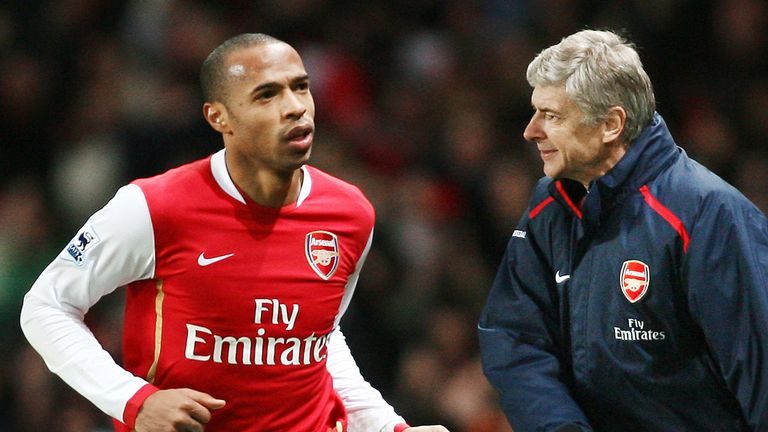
<point>519,345</point>
<point>726,274</point>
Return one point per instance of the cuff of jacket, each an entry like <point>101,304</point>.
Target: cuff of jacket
<point>134,404</point>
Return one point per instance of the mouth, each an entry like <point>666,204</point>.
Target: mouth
<point>300,137</point>
<point>299,132</point>
<point>547,154</point>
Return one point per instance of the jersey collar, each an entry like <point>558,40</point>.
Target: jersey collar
<point>220,173</point>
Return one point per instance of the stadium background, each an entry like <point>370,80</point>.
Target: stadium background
<point>422,103</point>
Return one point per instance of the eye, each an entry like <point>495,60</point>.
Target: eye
<point>550,116</point>
<point>302,86</point>
<point>266,95</point>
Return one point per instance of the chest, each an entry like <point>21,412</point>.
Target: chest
<point>286,274</point>
<point>630,261</point>
<point>621,285</point>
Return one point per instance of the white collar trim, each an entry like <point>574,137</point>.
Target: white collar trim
<point>220,173</point>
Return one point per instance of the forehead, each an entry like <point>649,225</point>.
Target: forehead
<point>552,98</point>
<point>264,63</point>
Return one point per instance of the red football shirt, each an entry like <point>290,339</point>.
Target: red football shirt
<point>244,297</point>
<point>223,296</point>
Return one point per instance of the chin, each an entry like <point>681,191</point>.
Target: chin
<point>553,172</point>
<point>305,158</point>
<point>299,162</point>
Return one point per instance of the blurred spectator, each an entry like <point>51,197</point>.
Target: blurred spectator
<point>27,244</point>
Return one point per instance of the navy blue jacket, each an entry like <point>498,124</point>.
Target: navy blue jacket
<point>641,305</point>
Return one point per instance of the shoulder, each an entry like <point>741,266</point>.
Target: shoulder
<point>328,190</point>
<point>697,194</point>
<point>541,202</point>
<point>177,194</point>
<point>177,186</point>
<point>184,176</point>
<point>694,184</point>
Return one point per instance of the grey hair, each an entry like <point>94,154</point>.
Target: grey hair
<point>600,70</point>
<point>213,73</point>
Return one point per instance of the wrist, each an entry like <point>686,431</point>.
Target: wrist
<point>134,404</point>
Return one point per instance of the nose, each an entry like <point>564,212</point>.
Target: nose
<point>294,105</point>
<point>533,131</point>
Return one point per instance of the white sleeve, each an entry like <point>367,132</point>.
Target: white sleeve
<point>114,247</point>
<point>366,408</point>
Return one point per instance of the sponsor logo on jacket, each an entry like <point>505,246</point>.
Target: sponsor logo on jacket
<point>636,331</point>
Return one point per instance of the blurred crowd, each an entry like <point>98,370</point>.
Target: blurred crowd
<point>421,103</point>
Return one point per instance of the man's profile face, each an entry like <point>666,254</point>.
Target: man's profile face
<point>568,147</point>
<point>270,110</point>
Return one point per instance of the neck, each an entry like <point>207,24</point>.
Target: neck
<point>614,152</point>
<point>265,187</point>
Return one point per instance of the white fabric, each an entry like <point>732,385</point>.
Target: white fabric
<point>220,173</point>
<point>349,289</point>
<point>54,308</point>
<point>366,409</point>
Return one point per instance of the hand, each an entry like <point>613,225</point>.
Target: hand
<point>426,429</point>
<point>176,410</point>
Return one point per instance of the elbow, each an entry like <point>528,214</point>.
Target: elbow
<point>492,351</point>
<point>26,307</point>
<point>26,316</point>
<point>32,314</point>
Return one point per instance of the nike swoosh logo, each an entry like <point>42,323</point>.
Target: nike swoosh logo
<point>561,279</point>
<point>203,261</point>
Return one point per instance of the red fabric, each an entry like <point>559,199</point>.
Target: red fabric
<point>250,328</point>
<point>576,210</point>
<point>667,214</point>
<point>400,427</point>
<point>134,404</point>
<point>536,210</point>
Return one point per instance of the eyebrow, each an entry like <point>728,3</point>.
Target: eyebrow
<point>546,109</point>
<point>546,106</point>
<point>271,85</point>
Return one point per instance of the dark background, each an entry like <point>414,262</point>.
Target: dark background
<point>422,103</point>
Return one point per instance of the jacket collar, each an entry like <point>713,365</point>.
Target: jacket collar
<point>648,155</point>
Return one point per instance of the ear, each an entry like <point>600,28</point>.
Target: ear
<point>215,113</point>
<point>614,124</point>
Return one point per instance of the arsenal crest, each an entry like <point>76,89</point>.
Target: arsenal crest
<point>634,280</point>
<point>322,250</point>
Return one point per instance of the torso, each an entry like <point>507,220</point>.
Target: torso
<point>236,308</point>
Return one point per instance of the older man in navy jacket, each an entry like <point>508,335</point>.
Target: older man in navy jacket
<point>632,295</point>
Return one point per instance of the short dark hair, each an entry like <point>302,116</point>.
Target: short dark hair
<point>213,73</point>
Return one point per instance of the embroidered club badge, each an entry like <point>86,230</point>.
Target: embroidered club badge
<point>322,250</point>
<point>634,280</point>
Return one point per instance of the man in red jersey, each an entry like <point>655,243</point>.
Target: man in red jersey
<point>238,268</point>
